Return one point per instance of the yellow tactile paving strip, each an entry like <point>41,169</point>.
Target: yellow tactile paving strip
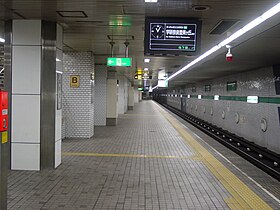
<point>129,155</point>
<point>242,196</point>
<point>138,115</point>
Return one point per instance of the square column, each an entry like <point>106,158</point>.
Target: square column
<point>130,98</point>
<point>100,95</point>
<point>112,102</point>
<point>78,94</point>
<point>32,87</point>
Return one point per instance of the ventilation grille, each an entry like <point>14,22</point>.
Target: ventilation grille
<point>223,26</point>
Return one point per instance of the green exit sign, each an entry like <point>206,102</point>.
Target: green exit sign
<point>118,61</point>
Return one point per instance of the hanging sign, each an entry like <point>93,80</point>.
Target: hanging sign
<point>118,61</point>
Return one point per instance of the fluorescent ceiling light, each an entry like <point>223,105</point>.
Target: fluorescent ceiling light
<point>268,14</point>
<point>2,40</point>
<point>60,72</point>
<point>57,59</point>
<point>155,87</point>
<point>146,69</point>
<point>151,1</point>
<point>147,60</point>
<point>1,71</point>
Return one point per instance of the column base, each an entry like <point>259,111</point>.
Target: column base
<point>111,121</point>
<point>130,107</point>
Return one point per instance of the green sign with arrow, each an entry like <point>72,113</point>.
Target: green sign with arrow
<point>118,61</point>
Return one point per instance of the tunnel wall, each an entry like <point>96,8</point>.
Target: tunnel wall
<point>233,104</point>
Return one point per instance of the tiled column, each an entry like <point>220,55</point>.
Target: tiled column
<point>34,143</point>
<point>140,96</point>
<point>100,95</point>
<point>136,95</point>
<point>78,101</point>
<point>121,95</point>
<point>112,100</point>
<point>130,98</point>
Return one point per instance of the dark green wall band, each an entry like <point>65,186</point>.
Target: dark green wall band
<point>269,100</point>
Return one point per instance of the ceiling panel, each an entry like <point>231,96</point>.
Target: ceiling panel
<point>121,18</point>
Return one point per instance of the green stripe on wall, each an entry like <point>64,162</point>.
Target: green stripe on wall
<point>208,97</point>
<point>194,96</point>
<point>233,98</point>
<point>270,100</point>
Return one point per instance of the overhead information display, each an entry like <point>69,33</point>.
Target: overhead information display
<point>172,36</point>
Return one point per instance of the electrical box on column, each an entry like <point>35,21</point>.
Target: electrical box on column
<point>4,116</point>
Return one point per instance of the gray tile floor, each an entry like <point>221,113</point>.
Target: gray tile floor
<point>121,177</point>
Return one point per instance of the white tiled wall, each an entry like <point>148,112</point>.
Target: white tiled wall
<point>27,32</point>
<point>25,156</point>
<point>26,90</point>
<point>26,67</point>
<point>78,110</point>
<point>26,118</point>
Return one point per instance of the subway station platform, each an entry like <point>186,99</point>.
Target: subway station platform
<point>150,160</point>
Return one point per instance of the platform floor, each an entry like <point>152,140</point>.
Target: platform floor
<point>150,160</point>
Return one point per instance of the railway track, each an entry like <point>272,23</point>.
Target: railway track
<point>263,158</point>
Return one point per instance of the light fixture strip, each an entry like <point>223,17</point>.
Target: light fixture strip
<point>151,1</point>
<point>268,14</point>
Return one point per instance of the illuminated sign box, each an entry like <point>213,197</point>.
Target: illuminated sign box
<point>119,62</point>
<point>216,97</point>
<point>252,99</point>
<point>172,36</point>
<point>162,83</point>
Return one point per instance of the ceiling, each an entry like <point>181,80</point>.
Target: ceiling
<point>94,23</point>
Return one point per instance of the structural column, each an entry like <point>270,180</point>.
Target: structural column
<point>140,95</point>
<point>112,99</point>
<point>130,98</point>
<point>35,121</point>
<point>100,95</point>
<point>78,94</point>
<point>136,95</point>
<point>122,94</point>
